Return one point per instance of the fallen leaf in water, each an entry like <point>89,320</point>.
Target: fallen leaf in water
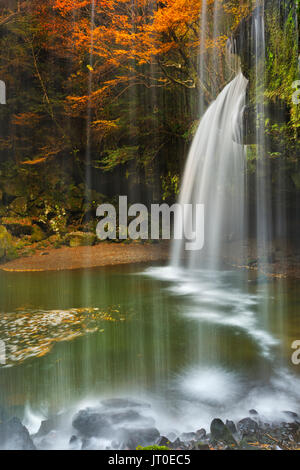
<point>33,333</point>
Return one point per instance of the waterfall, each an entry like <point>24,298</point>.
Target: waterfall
<point>236,209</point>
<point>214,175</point>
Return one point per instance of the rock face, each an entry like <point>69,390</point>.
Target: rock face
<point>14,436</point>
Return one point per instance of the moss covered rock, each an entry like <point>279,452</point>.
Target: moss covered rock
<point>19,206</point>
<point>6,242</point>
<point>81,239</point>
<point>37,234</point>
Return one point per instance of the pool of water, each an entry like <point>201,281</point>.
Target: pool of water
<point>196,345</point>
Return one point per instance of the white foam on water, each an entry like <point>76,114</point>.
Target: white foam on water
<point>215,301</point>
<point>32,419</point>
<point>211,385</point>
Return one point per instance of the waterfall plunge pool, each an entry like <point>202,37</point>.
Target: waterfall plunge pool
<point>196,345</point>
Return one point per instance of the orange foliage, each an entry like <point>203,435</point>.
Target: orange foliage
<point>110,42</point>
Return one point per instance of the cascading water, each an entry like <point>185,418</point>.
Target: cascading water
<point>214,175</point>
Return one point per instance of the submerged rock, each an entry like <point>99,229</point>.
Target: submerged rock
<point>15,436</point>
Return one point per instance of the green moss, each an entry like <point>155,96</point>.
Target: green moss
<point>37,234</point>
<point>5,242</point>
<point>81,239</point>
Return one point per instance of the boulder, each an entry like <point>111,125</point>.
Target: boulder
<point>124,416</point>
<point>248,429</point>
<point>131,438</point>
<point>177,444</point>
<point>231,426</point>
<point>73,440</point>
<point>163,442</point>
<point>90,423</point>
<point>37,234</point>
<point>220,432</point>
<point>15,436</point>
<point>123,403</point>
<point>201,434</point>
<point>18,207</point>
<point>81,239</point>
<point>247,426</point>
<point>188,436</point>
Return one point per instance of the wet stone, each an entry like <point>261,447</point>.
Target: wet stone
<point>219,432</point>
<point>188,436</point>
<point>126,416</point>
<point>163,441</point>
<point>15,436</point>
<point>91,424</point>
<point>177,444</point>
<point>247,426</point>
<point>132,438</point>
<point>123,403</point>
<point>231,426</point>
<point>200,434</point>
